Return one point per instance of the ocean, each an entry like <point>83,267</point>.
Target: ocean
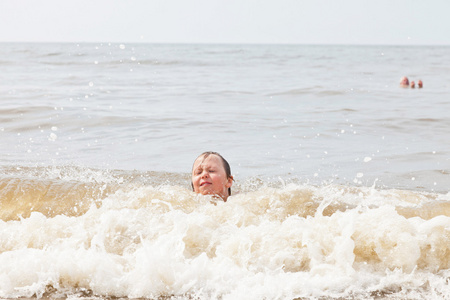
<point>342,178</point>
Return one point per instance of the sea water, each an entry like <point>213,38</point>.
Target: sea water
<point>341,177</point>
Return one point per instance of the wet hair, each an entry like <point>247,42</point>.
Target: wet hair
<point>226,166</point>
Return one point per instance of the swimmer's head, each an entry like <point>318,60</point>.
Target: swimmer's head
<point>420,83</point>
<point>404,82</point>
<point>211,175</point>
<point>412,84</point>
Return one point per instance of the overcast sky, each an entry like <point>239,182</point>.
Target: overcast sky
<point>404,22</point>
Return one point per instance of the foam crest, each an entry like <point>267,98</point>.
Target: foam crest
<point>296,241</point>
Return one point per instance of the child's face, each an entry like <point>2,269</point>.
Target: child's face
<point>209,177</point>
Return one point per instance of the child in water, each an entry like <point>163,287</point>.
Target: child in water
<point>211,175</point>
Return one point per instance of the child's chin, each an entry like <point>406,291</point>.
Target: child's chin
<point>206,192</point>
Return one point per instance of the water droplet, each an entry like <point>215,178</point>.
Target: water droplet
<point>52,137</point>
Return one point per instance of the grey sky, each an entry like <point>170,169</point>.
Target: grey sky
<point>406,22</point>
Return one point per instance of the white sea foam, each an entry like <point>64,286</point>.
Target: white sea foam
<point>295,241</point>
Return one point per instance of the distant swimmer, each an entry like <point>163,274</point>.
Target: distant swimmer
<point>211,175</point>
<point>404,82</point>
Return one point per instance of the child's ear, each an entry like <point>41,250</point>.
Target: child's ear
<point>229,182</point>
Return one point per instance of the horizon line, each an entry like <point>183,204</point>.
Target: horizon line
<point>223,43</point>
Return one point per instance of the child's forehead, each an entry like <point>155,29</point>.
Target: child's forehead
<point>206,160</point>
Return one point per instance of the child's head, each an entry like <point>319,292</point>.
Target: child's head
<point>211,175</point>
